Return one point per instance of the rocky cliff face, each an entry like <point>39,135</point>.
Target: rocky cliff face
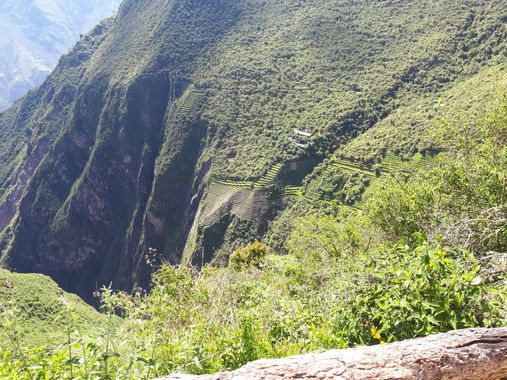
<point>35,33</point>
<point>114,156</point>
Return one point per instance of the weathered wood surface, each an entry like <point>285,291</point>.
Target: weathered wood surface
<point>463,354</point>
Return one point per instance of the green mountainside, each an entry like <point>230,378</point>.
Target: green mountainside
<point>36,311</point>
<point>181,129</point>
<point>423,253</point>
<point>329,173</point>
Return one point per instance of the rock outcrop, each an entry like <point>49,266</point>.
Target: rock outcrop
<point>464,354</point>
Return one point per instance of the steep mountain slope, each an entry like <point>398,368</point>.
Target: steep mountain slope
<point>176,130</point>
<point>40,310</point>
<point>35,33</point>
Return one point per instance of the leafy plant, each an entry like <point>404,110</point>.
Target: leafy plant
<point>248,257</point>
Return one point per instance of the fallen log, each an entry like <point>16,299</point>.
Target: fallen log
<point>457,355</point>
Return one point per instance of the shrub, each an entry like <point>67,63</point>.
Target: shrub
<point>462,198</point>
<point>250,256</point>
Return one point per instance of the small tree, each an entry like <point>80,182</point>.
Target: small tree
<point>248,257</point>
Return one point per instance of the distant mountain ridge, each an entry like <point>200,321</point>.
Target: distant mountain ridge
<point>35,33</point>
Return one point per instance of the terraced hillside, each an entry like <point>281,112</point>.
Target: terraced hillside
<point>114,156</point>
<point>252,200</point>
<point>189,102</point>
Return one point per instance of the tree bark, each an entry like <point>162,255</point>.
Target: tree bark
<point>463,354</point>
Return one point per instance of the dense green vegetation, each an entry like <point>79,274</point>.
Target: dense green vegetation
<point>393,224</point>
<point>35,311</point>
<point>336,69</point>
<point>405,131</point>
<point>423,256</point>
